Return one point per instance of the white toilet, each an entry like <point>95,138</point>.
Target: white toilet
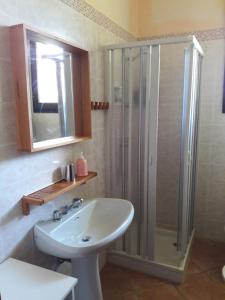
<point>223,273</point>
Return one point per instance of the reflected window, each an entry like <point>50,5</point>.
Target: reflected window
<point>48,76</point>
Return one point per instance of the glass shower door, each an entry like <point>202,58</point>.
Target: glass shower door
<point>132,127</point>
<point>188,150</point>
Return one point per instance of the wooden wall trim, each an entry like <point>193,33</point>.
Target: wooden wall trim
<point>19,35</point>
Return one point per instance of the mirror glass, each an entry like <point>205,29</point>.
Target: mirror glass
<point>51,87</point>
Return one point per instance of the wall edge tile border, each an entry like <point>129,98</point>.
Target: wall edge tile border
<point>96,16</point>
<point>202,35</point>
<point>99,18</point>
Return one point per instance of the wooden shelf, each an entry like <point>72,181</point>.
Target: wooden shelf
<point>52,191</point>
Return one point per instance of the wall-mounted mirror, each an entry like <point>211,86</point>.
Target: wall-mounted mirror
<point>52,81</point>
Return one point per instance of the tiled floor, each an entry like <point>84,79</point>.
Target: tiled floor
<point>203,281</point>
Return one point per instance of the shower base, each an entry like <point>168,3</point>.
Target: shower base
<point>165,247</point>
<point>167,264</point>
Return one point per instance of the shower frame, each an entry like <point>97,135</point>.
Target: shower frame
<point>193,54</point>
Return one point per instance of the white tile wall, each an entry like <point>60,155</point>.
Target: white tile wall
<point>22,173</point>
<point>211,167</point>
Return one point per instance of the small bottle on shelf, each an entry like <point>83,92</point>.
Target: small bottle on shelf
<point>70,172</point>
<point>81,166</point>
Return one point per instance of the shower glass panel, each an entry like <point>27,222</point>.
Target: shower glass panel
<point>128,75</point>
<point>188,151</point>
<point>152,130</point>
<point>168,153</point>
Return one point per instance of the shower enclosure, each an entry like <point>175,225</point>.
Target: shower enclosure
<point>153,90</point>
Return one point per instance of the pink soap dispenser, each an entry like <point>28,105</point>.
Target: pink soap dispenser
<point>81,166</point>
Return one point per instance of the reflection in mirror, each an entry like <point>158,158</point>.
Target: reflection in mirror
<point>51,78</point>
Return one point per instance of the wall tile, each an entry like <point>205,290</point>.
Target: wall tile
<point>23,173</point>
<point>211,162</point>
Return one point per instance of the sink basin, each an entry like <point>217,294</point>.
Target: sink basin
<point>81,235</point>
<point>91,228</point>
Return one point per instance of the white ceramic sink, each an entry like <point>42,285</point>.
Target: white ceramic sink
<point>100,222</point>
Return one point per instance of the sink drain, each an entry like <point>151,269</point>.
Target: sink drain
<point>86,238</point>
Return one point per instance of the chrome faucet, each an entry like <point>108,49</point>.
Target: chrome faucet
<point>77,202</point>
<point>65,209</point>
<point>57,215</point>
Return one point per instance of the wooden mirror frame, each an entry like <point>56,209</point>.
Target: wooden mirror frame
<point>81,88</point>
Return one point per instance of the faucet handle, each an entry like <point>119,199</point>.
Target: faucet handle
<point>57,215</point>
<point>77,202</point>
<point>64,209</point>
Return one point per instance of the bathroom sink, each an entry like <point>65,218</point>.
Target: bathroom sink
<point>81,235</point>
<point>91,228</point>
